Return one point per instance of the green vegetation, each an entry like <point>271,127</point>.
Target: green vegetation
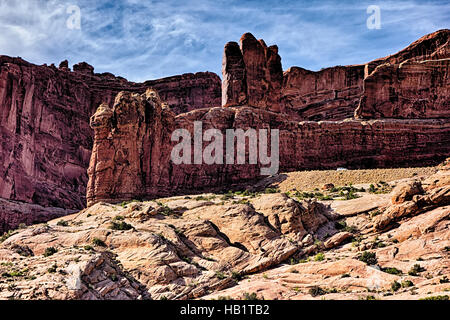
<point>98,242</point>
<point>220,275</point>
<point>62,223</point>
<point>415,270</point>
<point>436,298</point>
<point>50,251</point>
<point>6,235</point>
<point>319,257</point>
<point>53,268</point>
<point>316,291</point>
<point>251,296</point>
<point>395,286</point>
<point>120,225</point>
<point>369,258</point>
<point>237,276</point>
<point>392,271</point>
<point>342,225</point>
<point>407,284</point>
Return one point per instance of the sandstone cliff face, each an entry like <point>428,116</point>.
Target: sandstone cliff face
<point>331,93</point>
<point>45,138</point>
<point>407,90</point>
<point>131,158</point>
<point>334,93</point>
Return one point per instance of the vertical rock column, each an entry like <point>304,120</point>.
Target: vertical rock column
<point>252,74</point>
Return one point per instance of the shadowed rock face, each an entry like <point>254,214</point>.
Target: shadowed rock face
<point>45,138</point>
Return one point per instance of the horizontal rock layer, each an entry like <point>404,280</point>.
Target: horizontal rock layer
<point>131,157</point>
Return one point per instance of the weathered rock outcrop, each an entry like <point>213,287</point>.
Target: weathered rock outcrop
<point>407,90</point>
<point>331,93</point>
<point>418,90</point>
<point>45,139</point>
<point>230,246</point>
<point>252,74</point>
<point>131,157</point>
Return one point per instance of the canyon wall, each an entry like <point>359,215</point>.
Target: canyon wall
<point>334,93</point>
<point>45,138</point>
<point>131,158</point>
<point>410,89</point>
<point>46,141</point>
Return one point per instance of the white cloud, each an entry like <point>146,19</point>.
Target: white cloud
<point>149,39</point>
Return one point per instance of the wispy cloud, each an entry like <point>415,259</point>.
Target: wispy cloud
<point>143,40</point>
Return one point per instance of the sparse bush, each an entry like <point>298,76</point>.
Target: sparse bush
<point>250,296</point>
<point>369,258</point>
<point>319,257</point>
<point>416,269</point>
<point>237,276</point>
<point>392,271</point>
<point>62,223</point>
<point>316,291</point>
<point>98,242</point>
<point>121,225</point>
<point>220,275</point>
<point>53,268</point>
<point>436,298</point>
<point>50,251</point>
<point>395,286</point>
<point>407,284</point>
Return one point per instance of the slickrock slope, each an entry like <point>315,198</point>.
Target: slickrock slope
<point>45,138</point>
<point>235,245</point>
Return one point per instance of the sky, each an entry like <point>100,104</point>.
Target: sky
<point>143,40</point>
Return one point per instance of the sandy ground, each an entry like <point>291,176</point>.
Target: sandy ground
<point>309,180</point>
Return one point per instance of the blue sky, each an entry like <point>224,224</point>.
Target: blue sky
<point>142,40</point>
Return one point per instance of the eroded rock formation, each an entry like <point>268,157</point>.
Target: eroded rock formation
<point>232,246</point>
<point>45,136</point>
<point>131,158</point>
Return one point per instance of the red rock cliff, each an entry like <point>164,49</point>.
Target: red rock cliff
<point>45,138</point>
<point>131,158</point>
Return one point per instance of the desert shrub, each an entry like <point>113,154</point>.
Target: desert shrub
<point>316,291</point>
<point>50,251</point>
<point>392,271</point>
<point>369,258</point>
<point>98,242</point>
<point>220,275</point>
<point>319,257</point>
<point>395,286</point>
<point>271,190</point>
<point>415,270</point>
<point>121,225</point>
<point>237,276</point>
<point>251,296</point>
<point>62,223</point>
<point>436,298</point>
<point>407,284</point>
